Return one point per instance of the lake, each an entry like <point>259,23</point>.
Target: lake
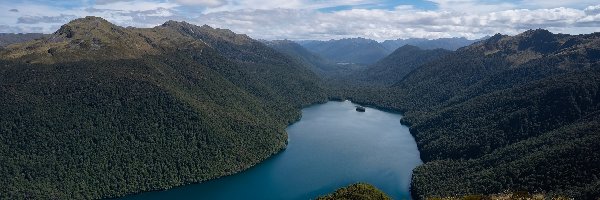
<point>330,147</point>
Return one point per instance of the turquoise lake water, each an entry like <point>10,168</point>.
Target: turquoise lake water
<point>330,147</point>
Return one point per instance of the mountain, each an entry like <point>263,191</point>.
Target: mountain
<point>347,51</point>
<point>95,110</point>
<point>396,66</point>
<point>317,64</point>
<point>281,82</point>
<point>366,51</point>
<point>11,38</point>
<point>441,43</point>
<point>510,113</point>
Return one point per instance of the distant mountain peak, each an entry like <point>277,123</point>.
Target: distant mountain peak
<point>91,20</point>
<point>356,39</point>
<point>180,24</point>
<point>443,43</point>
<point>348,50</point>
<point>536,44</point>
<point>206,30</point>
<point>496,37</point>
<point>86,26</point>
<point>96,38</point>
<point>536,32</point>
<point>408,47</point>
<point>171,23</point>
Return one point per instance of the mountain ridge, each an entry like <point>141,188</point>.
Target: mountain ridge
<point>440,43</point>
<point>96,110</point>
<point>321,66</point>
<point>93,35</point>
<point>394,67</point>
<point>510,113</point>
<point>12,38</point>
<point>113,111</point>
<point>350,50</point>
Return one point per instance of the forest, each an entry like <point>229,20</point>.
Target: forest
<point>357,191</point>
<point>96,110</point>
<point>504,114</point>
<point>89,120</point>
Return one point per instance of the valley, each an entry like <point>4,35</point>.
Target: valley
<point>330,147</point>
<point>97,110</point>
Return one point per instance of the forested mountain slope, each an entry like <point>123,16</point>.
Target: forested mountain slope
<point>350,50</point>
<point>283,84</point>
<point>321,66</point>
<point>395,66</point>
<point>441,43</point>
<point>508,113</point>
<point>97,110</point>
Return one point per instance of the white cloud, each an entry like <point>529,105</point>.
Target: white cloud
<point>592,10</point>
<point>103,2</point>
<point>234,5</point>
<point>208,3</point>
<point>134,5</point>
<point>557,3</point>
<point>403,22</point>
<point>301,19</point>
<point>472,6</point>
<point>45,19</point>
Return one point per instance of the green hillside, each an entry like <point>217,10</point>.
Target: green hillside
<point>321,66</point>
<point>357,191</point>
<point>396,66</point>
<point>508,113</point>
<point>349,51</point>
<point>96,110</point>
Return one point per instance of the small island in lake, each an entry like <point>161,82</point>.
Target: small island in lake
<point>360,109</point>
<point>357,191</point>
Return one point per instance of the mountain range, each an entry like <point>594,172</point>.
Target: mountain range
<point>367,52</point>
<point>96,110</point>
<point>11,38</point>
<point>319,65</point>
<point>510,113</point>
<point>441,43</point>
<point>395,66</point>
<point>348,51</point>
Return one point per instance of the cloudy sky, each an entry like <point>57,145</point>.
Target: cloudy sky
<point>318,19</point>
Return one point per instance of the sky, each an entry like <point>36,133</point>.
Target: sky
<point>318,19</point>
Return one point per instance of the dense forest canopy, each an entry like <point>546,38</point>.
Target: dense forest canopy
<point>394,67</point>
<point>357,191</point>
<point>96,110</point>
<point>507,113</point>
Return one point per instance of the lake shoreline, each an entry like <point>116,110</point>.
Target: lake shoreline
<point>296,144</point>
